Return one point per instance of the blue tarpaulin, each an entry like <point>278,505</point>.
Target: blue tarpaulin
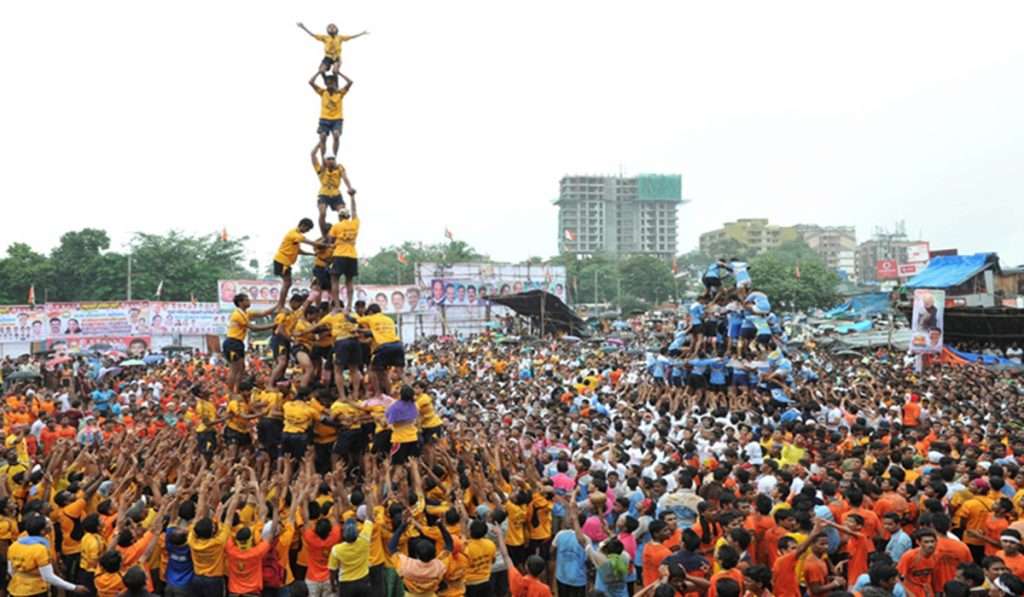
<point>945,271</point>
<point>861,305</point>
<point>984,359</point>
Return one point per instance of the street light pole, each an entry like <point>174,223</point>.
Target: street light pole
<point>129,276</point>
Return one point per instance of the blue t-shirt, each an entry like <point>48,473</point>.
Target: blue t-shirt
<point>696,313</point>
<point>718,372</point>
<point>179,563</point>
<point>570,560</point>
<point>101,399</point>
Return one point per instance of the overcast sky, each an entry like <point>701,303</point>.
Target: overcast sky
<point>143,116</point>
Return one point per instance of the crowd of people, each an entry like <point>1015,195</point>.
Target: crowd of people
<point>702,454</point>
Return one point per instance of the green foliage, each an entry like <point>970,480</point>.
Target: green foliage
<point>385,268</point>
<point>647,278</point>
<point>774,272</point>
<point>634,281</point>
<point>82,268</point>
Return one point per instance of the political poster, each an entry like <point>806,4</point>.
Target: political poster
<point>264,294</point>
<point>187,319</point>
<point>132,346</point>
<point>103,318</point>
<point>28,323</point>
<point>23,323</point>
<point>927,323</point>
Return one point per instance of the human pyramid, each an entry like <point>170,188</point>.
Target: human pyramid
<point>323,334</point>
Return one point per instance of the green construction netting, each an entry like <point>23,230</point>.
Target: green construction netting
<point>659,187</point>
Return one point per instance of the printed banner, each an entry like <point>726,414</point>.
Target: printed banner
<point>885,269</point>
<point>909,270</point>
<point>264,294</point>
<point>108,319</point>
<point>927,323</point>
<point>133,346</point>
<point>918,253</point>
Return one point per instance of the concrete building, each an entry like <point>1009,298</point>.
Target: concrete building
<point>619,216</point>
<point>836,245</point>
<point>755,235</point>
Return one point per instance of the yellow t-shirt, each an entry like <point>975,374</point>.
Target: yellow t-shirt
<point>382,327</point>
<point>404,433</point>
<point>344,410</point>
<point>288,252</point>
<point>270,401</point>
<point>8,529</point>
<point>298,416</point>
<point>238,325</point>
<point>208,554</point>
<point>352,560</point>
<point>206,412</point>
<point>480,553</point>
<point>322,432</point>
<point>67,517</point>
<point>428,417</point>
<point>25,562</point>
<point>332,44</point>
<point>288,319</point>
<point>341,327</point>
<point>322,255</point>
<point>299,333</point>
<point>239,408</point>
<point>330,104</point>
<point>92,549</point>
<point>330,179</point>
<point>517,534</point>
<point>345,233</point>
<point>540,506</point>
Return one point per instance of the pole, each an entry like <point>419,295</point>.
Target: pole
<point>595,286</point>
<point>129,276</point>
<point>543,302</point>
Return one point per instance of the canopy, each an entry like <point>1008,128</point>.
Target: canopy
<point>861,305</point>
<point>944,271</point>
<point>557,315</point>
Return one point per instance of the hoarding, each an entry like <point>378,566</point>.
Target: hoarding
<point>927,321</point>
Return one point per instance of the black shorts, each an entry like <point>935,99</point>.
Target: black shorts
<point>364,350</point>
<point>697,381</point>
<point>351,441</point>
<point>518,553</point>
<point>280,346</point>
<point>331,201</point>
<point>233,349</point>
<point>382,442</point>
<point>541,547</point>
<point>269,433</point>
<point>322,352</point>
<point>281,269</point>
<point>232,437</point>
<point>298,348</point>
<point>294,444</point>
<point>711,282</point>
<point>207,441</point>
<point>345,267</point>
<point>400,453</point>
<point>328,62</point>
<point>748,333</point>
<point>710,328</point>
<point>322,275</point>
<point>347,353</point>
<point>432,434</point>
<point>389,355</point>
<point>329,125</point>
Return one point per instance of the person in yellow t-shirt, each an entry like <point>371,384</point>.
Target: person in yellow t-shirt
<point>344,263</point>
<point>238,430</point>
<point>347,351</point>
<point>239,326</point>
<point>299,417</point>
<point>388,362</point>
<point>332,45</point>
<point>331,174</point>
<point>332,115</point>
<point>320,287</point>
<point>280,341</point>
<point>288,253</point>
<point>29,561</point>
<point>431,425</point>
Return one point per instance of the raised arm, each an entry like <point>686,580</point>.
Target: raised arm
<point>348,83</point>
<point>303,27</point>
<point>312,83</point>
<point>352,196</point>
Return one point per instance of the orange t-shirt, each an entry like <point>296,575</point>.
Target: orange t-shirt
<point>911,414</point>
<point>1014,563</point>
<point>858,548</point>
<point>736,574</point>
<point>918,573</point>
<point>784,580</point>
<point>245,567</point>
<point>994,527</point>
<point>526,586</point>
<point>815,571</point>
<point>317,552</point>
<point>949,553</point>
<point>654,555</point>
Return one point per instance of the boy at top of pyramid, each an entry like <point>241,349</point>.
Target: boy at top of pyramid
<point>332,46</point>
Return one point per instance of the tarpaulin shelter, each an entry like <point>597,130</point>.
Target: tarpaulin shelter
<point>945,271</point>
<point>545,307</point>
<point>861,305</point>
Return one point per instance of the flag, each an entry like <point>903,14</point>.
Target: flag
<point>224,234</point>
<point>159,289</point>
<point>796,270</point>
<point>401,257</point>
<point>32,294</point>
<point>570,235</point>
<point>448,234</point>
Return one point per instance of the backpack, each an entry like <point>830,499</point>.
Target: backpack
<point>273,572</point>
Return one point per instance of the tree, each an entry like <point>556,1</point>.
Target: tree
<point>21,269</point>
<point>775,273</point>
<point>647,278</point>
<point>386,268</point>
<point>84,270</point>
<point>187,265</point>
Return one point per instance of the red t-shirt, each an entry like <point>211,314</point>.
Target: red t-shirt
<point>317,552</point>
